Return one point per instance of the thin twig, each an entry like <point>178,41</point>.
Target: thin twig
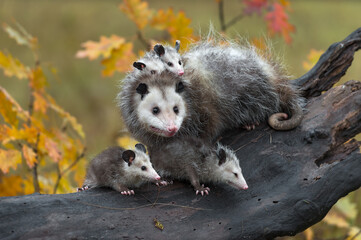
<point>35,168</point>
<point>143,40</point>
<point>233,21</point>
<point>221,15</point>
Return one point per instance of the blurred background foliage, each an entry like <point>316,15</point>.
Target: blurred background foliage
<point>68,30</point>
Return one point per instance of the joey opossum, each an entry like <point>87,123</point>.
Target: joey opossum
<point>119,169</point>
<point>190,158</point>
<point>159,59</point>
<point>170,57</point>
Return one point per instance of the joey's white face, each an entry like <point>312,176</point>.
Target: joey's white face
<point>173,62</point>
<point>152,66</point>
<point>231,172</point>
<point>142,167</point>
<point>161,112</point>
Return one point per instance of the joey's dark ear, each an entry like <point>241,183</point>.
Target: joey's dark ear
<point>128,156</point>
<point>179,87</point>
<point>159,49</point>
<point>177,45</point>
<point>140,147</point>
<point>139,65</point>
<point>142,89</point>
<point>221,154</point>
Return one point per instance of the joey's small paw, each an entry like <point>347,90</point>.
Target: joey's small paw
<point>250,127</point>
<point>83,188</point>
<point>203,190</point>
<point>127,192</point>
<point>163,183</point>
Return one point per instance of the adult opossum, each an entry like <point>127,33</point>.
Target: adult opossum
<point>192,159</point>
<point>119,169</point>
<point>223,87</point>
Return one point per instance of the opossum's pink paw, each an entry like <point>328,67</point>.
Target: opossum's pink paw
<point>251,126</point>
<point>83,188</point>
<point>203,190</point>
<point>127,192</point>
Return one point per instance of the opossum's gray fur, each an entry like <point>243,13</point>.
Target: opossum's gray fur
<point>248,86</point>
<point>195,160</point>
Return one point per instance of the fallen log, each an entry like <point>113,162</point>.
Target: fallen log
<point>294,178</point>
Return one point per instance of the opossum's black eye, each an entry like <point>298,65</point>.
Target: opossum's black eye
<point>236,175</point>
<point>176,110</point>
<point>156,110</point>
<point>180,63</point>
<point>153,72</point>
<point>170,64</point>
<point>143,168</point>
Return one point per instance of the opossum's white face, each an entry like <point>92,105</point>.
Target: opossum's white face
<point>161,111</point>
<point>173,63</point>
<point>140,166</point>
<point>229,170</point>
<point>149,66</point>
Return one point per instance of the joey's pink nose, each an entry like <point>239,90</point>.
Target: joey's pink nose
<point>180,73</point>
<point>157,178</point>
<point>245,187</point>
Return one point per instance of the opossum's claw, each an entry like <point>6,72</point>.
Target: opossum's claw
<point>132,192</point>
<point>197,192</point>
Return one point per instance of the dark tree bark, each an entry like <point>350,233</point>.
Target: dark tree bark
<point>294,178</point>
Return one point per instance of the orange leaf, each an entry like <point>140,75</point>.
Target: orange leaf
<point>52,149</point>
<point>12,66</point>
<point>29,155</point>
<point>38,80</point>
<point>11,186</point>
<point>277,22</point>
<point>9,159</point>
<point>7,109</point>
<point>312,59</point>
<point>137,11</point>
<point>178,26</point>
<point>40,103</point>
<point>121,60</point>
<point>104,47</point>
<point>6,99</point>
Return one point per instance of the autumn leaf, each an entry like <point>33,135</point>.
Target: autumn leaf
<point>137,11</point>
<point>104,47</point>
<point>52,149</point>
<point>126,142</point>
<point>121,60</point>
<point>12,66</point>
<point>9,159</point>
<point>254,6</point>
<point>21,36</point>
<point>6,99</point>
<point>11,186</point>
<point>312,59</point>
<point>277,22</point>
<point>7,109</point>
<point>178,26</point>
<point>158,224</point>
<point>37,80</point>
<point>29,155</point>
<point>40,103</point>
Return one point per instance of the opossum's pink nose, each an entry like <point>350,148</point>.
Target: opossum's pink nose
<point>245,187</point>
<point>172,129</point>
<point>180,73</point>
<point>157,178</point>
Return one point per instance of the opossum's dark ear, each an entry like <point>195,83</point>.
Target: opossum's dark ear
<point>179,87</point>
<point>142,89</point>
<point>140,147</point>
<point>159,49</point>
<point>128,156</point>
<point>221,154</point>
<point>139,65</point>
<point>177,45</point>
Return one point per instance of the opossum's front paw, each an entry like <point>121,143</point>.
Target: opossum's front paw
<point>127,192</point>
<point>203,190</point>
<point>83,188</point>
<point>163,183</point>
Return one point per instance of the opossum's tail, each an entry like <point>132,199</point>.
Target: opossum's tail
<point>279,121</point>
<point>291,103</point>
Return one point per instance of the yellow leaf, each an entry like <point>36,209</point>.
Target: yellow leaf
<point>12,66</point>
<point>126,142</point>
<point>10,186</point>
<point>21,36</point>
<point>52,149</point>
<point>40,103</point>
<point>309,234</point>
<point>137,11</point>
<point>158,224</point>
<point>121,60</point>
<point>29,156</point>
<point>354,234</point>
<point>38,80</point>
<point>104,47</point>
<point>312,59</point>
<point>7,99</point>
<point>178,26</point>
<point>9,159</point>
<point>7,109</point>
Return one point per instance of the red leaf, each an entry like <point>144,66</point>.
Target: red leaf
<point>252,6</point>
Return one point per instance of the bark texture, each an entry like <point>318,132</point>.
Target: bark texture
<point>294,178</point>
